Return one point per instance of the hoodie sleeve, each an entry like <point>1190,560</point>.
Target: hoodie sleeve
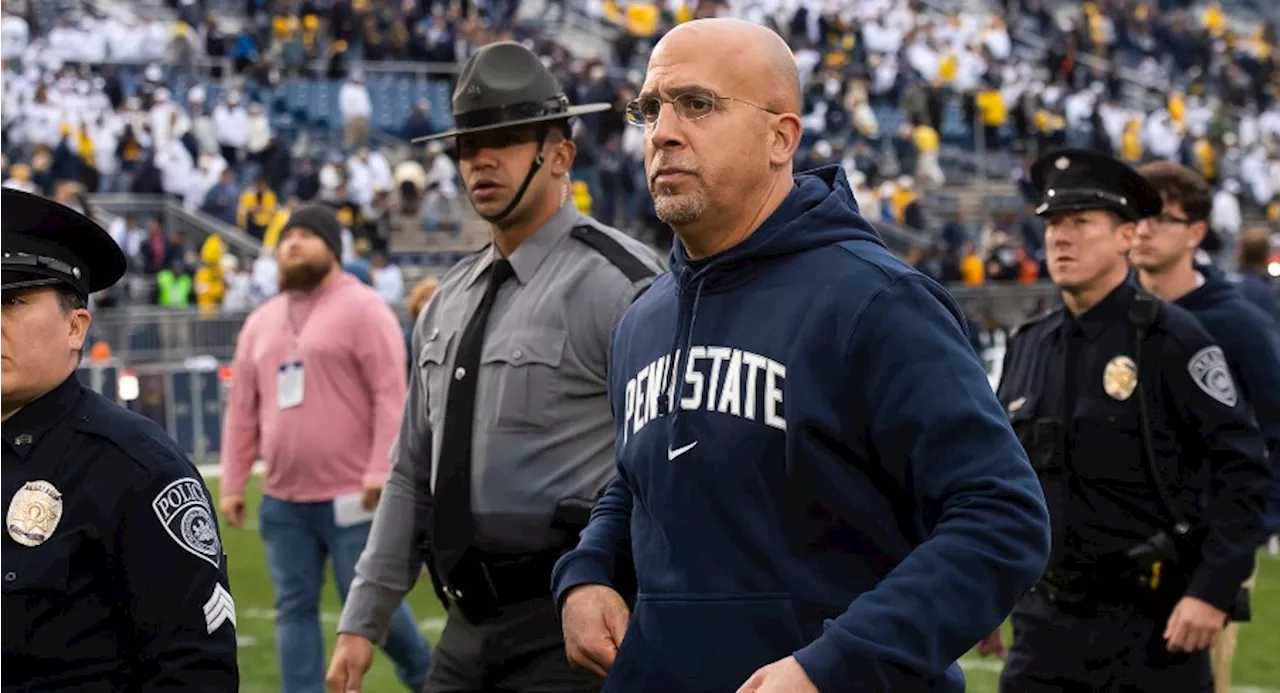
<point>605,543</point>
<point>934,424</point>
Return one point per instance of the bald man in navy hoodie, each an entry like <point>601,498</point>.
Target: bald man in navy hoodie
<point>816,485</point>
<point>1164,255</point>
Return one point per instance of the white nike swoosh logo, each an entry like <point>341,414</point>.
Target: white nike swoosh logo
<point>672,454</point>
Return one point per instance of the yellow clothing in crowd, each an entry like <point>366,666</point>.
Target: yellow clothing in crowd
<point>1178,109</point>
<point>1206,158</point>
<point>210,285</point>
<point>972,272</point>
<point>256,208</point>
<point>86,147</point>
<point>582,197</point>
<point>901,198</point>
<point>991,105</point>
<point>271,237</point>
<point>1131,143</point>
<point>642,19</point>
<point>947,69</point>
<point>1048,123</point>
<point>926,139</point>
<point>1215,20</point>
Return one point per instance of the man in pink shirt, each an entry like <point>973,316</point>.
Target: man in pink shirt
<point>318,390</point>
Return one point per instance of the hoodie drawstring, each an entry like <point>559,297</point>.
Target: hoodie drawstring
<point>678,358</point>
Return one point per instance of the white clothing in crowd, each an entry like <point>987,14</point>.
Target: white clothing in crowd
<point>389,283</point>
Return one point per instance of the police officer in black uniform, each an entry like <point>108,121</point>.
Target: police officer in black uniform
<point>114,575</point>
<point>1154,474</point>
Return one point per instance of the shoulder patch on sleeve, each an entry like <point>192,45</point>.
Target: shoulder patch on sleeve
<point>219,609</point>
<point>184,511</point>
<point>1208,368</point>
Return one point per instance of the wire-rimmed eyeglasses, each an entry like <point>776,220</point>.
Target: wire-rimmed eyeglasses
<point>692,105</point>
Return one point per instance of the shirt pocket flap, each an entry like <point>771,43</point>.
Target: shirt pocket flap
<point>44,568</point>
<point>435,349</point>
<point>526,346</point>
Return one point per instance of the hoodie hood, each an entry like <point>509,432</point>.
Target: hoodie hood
<point>1215,290</point>
<point>820,211</point>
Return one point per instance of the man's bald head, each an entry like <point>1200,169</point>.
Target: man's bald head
<point>752,60</point>
<point>719,158</point>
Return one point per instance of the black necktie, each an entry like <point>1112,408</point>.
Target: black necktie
<point>452,525</point>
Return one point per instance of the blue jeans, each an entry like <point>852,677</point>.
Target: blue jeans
<point>298,537</point>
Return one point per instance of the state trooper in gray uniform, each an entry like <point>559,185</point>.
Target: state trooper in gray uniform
<point>507,438</point>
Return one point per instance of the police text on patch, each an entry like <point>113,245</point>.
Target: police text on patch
<point>1208,368</point>
<point>184,511</point>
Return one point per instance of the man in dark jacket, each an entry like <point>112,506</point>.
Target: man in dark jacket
<point>817,486</point>
<point>1249,338</point>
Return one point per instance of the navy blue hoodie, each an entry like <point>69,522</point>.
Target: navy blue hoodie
<point>1251,341</point>
<point>836,481</point>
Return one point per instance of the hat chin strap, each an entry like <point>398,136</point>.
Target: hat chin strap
<point>533,170</point>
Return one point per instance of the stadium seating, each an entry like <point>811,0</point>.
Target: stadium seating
<point>314,102</point>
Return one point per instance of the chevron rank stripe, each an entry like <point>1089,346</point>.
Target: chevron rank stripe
<point>219,608</point>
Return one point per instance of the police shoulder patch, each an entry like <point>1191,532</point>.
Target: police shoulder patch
<point>185,513</point>
<point>1208,368</point>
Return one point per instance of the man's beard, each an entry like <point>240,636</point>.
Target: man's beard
<point>678,210</point>
<point>304,276</point>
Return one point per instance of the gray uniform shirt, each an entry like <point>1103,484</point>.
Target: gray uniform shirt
<point>543,431</point>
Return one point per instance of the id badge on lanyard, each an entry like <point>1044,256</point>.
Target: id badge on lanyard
<point>290,377</point>
<point>290,385</point>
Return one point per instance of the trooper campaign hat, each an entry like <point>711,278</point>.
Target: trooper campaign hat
<point>505,85</point>
<point>1074,180</point>
<point>44,243</point>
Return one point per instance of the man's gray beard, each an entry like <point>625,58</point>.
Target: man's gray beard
<point>678,210</point>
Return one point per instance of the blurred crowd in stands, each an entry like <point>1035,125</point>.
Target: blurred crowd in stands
<point>243,110</point>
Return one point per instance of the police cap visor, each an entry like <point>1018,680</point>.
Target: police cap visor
<point>46,243</point>
<point>1075,180</point>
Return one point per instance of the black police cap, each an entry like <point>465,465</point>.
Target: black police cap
<point>46,243</point>
<point>1074,180</point>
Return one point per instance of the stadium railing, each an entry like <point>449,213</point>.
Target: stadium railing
<point>153,335</point>
<point>173,366</point>
<point>195,225</point>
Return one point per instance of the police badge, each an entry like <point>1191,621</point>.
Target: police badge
<point>1120,377</point>
<point>34,513</point>
<point>183,509</point>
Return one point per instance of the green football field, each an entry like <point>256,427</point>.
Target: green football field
<point>1257,667</point>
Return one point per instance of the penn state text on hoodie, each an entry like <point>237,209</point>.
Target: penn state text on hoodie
<point>1250,339</point>
<point>836,481</point>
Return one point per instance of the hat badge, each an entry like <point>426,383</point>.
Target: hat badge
<point>474,91</point>
<point>34,513</point>
<point>1062,164</point>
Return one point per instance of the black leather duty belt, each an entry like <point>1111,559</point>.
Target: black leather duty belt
<point>484,583</point>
